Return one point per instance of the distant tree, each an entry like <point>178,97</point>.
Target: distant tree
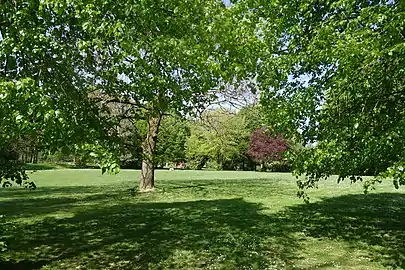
<point>172,138</point>
<point>263,148</point>
<point>198,149</point>
<point>254,116</point>
<point>219,138</point>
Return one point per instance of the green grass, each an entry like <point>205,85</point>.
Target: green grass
<point>78,219</point>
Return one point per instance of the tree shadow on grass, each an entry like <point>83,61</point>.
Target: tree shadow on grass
<point>248,187</point>
<point>229,234</point>
<point>25,203</point>
<point>374,223</point>
<point>221,233</point>
<point>16,202</point>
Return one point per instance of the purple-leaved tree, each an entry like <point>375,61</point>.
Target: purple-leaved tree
<point>263,147</point>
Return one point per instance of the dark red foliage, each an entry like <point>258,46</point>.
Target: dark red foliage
<point>265,148</point>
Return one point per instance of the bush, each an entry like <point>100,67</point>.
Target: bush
<point>279,166</point>
<point>213,165</point>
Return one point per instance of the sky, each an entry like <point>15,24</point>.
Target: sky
<point>227,2</point>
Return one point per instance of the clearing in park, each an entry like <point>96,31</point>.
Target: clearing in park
<point>78,219</point>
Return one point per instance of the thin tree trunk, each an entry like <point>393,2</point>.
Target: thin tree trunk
<point>147,181</point>
<point>36,155</point>
<point>32,150</point>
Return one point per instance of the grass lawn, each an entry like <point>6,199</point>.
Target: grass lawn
<point>78,219</point>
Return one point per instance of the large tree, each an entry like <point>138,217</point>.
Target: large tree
<point>162,57</point>
<point>90,67</point>
<point>339,85</point>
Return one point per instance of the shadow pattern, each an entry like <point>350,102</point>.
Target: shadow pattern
<point>203,234</point>
<point>229,234</point>
<point>374,222</point>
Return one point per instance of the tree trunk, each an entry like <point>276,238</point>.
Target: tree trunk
<point>147,181</point>
<point>36,157</point>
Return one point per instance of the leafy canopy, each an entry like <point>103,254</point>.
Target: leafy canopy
<point>339,85</point>
<point>64,62</point>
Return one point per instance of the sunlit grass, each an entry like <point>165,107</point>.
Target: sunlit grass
<point>79,219</point>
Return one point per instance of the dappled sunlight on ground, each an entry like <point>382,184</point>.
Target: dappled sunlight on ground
<point>201,224</point>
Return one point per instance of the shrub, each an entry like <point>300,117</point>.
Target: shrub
<point>279,166</point>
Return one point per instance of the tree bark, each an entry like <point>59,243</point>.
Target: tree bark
<point>147,181</point>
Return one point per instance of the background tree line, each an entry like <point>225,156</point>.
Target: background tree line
<point>219,139</point>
